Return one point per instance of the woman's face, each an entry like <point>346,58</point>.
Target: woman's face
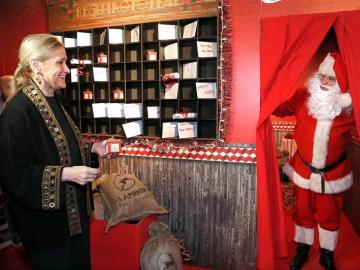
<point>54,70</point>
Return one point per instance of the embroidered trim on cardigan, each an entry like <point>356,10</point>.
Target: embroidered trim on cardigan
<point>50,187</point>
<point>84,148</point>
<point>38,99</point>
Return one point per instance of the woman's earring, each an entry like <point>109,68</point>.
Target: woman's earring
<point>39,77</point>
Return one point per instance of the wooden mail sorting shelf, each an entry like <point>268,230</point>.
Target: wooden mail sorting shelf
<point>125,65</point>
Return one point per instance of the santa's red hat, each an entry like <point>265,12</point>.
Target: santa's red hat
<point>333,65</point>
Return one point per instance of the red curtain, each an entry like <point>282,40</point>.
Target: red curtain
<point>288,44</point>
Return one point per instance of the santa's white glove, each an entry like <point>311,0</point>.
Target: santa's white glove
<point>344,100</point>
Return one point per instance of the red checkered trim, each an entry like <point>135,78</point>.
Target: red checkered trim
<point>284,126</point>
<point>223,154</point>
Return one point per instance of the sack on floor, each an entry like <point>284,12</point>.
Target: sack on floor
<point>125,198</point>
<point>161,251</point>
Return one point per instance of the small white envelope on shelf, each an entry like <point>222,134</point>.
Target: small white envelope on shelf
<point>167,31</point>
<point>99,110</point>
<point>133,110</point>
<point>69,42</point>
<point>135,34</point>
<point>190,30</point>
<point>187,130</point>
<point>83,39</point>
<point>133,128</point>
<point>189,70</point>
<point>171,92</point>
<point>153,112</point>
<point>206,90</point>
<point>207,49</point>
<point>116,36</point>
<point>74,75</point>
<point>100,74</point>
<point>169,130</point>
<point>171,51</point>
<point>115,110</point>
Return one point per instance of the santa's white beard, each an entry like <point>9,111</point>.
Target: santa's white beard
<point>323,105</point>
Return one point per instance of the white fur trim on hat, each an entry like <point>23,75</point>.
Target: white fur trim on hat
<point>327,66</point>
<point>344,100</point>
<point>328,239</point>
<point>314,183</point>
<point>304,235</point>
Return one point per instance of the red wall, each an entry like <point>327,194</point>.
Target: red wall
<point>18,18</point>
<point>246,71</point>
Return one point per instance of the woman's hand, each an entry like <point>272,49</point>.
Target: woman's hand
<point>79,174</point>
<point>99,148</point>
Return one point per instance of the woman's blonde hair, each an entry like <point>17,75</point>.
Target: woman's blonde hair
<point>38,46</point>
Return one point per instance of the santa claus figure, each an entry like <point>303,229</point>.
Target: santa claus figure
<point>320,168</point>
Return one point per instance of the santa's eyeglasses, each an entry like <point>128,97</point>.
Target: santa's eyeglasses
<point>327,80</point>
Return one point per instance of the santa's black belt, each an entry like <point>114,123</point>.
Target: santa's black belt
<point>327,168</point>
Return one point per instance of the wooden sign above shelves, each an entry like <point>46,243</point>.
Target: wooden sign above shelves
<point>65,15</point>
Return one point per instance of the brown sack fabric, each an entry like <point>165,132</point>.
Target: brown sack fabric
<point>161,251</point>
<point>126,198</point>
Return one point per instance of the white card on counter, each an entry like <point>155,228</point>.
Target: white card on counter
<point>115,110</point>
<point>169,130</point>
<point>206,90</point>
<point>99,110</point>
<point>133,128</point>
<point>133,110</point>
<point>187,130</point>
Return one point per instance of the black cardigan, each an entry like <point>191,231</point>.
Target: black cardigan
<point>33,151</point>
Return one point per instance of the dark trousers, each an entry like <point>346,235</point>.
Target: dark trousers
<point>73,255</point>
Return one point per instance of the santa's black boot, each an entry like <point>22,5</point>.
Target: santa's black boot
<point>301,256</point>
<point>327,259</point>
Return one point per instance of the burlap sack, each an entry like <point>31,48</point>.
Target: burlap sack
<point>98,212</point>
<point>126,198</point>
<point>161,251</point>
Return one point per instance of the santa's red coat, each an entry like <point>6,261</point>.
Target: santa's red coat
<point>320,142</point>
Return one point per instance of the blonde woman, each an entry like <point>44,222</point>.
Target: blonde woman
<point>43,160</point>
